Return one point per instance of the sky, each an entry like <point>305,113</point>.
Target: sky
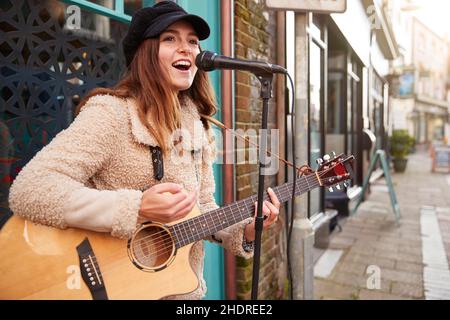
<point>435,14</point>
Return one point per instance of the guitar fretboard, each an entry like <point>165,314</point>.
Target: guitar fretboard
<point>207,224</point>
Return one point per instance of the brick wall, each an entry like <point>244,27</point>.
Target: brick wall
<point>255,30</point>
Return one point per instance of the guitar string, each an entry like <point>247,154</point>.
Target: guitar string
<point>163,249</point>
<point>282,193</point>
<point>166,249</point>
<point>156,245</point>
<point>182,228</point>
<point>185,228</point>
<point>160,238</point>
<point>195,235</point>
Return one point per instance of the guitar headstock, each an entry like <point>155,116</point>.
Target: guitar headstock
<point>334,169</point>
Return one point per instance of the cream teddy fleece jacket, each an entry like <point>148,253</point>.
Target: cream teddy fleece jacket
<point>92,175</point>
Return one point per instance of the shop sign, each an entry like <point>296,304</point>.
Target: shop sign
<point>406,85</point>
<point>315,6</point>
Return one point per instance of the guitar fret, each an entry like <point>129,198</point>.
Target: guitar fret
<point>232,213</point>
<point>191,228</point>
<point>211,222</point>
<point>177,239</point>
<point>208,222</point>
<point>218,225</point>
<point>205,224</point>
<point>210,226</point>
<point>224,217</point>
<point>289,189</point>
<point>235,217</point>
<point>179,234</point>
<point>198,230</point>
<point>173,230</point>
<point>210,230</point>
<point>183,228</point>
<point>245,204</point>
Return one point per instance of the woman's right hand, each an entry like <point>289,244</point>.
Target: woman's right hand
<point>166,202</point>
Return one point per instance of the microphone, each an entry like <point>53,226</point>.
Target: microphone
<point>208,61</point>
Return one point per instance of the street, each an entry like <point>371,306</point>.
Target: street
<point>377,259</point>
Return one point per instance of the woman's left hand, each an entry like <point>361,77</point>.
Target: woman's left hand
<point>270,212</point>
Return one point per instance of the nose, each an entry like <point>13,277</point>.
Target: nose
<point>184,47</point>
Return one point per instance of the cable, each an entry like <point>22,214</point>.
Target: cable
<point>290,223</point>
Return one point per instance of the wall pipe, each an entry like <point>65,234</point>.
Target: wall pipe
<point>226,10</point>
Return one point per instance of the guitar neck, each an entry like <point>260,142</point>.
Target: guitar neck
<point>207,224</point>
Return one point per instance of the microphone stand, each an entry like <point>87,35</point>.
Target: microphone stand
<point>266,93</point>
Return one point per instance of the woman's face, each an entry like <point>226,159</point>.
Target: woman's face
<point>178,47</point>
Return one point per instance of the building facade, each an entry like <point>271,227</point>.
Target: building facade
<point>419,93</point>
<point>340,63</point>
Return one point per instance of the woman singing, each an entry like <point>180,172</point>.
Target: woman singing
<point>99,173</point>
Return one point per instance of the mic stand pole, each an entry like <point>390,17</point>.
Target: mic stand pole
<point>266,93</point>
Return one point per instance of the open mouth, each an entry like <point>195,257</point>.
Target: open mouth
<point>182,65</point>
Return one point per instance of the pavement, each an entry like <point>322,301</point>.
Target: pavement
<point>373,258</point>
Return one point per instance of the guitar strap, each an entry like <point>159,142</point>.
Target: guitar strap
<point>157,161</point>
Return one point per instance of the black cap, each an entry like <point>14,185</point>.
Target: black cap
<point>150,22</point>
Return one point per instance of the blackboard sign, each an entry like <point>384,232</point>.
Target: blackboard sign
<point>380,155</point>
<point>441,158</point>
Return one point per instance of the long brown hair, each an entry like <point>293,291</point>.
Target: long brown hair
<point>147,83</point>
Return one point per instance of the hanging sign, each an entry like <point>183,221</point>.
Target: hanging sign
<point>316,6</point>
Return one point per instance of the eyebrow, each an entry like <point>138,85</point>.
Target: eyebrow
<point>177,32</point>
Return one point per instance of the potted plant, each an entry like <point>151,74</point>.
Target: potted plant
<point>401,146</point>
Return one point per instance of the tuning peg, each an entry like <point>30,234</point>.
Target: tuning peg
<point>333,154</point>
<point>330,189</point>
<point>326,157</point>
<point>319,161</point>
<point>338,187</point>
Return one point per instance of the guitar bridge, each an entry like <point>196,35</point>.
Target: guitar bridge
<point>90,271</point>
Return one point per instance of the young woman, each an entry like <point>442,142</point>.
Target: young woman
<point>98,173</point>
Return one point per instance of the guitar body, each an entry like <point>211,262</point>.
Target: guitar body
<point>40,262</point>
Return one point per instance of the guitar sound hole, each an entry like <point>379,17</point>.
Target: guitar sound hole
<point>152,247</point>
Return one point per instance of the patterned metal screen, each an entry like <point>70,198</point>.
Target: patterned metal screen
<point>45,68</point>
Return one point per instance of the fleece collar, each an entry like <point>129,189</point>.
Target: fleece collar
<point>138,129</point>
<point>190,123</point>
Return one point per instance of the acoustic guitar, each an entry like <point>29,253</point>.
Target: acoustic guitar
<point>41,262</point>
